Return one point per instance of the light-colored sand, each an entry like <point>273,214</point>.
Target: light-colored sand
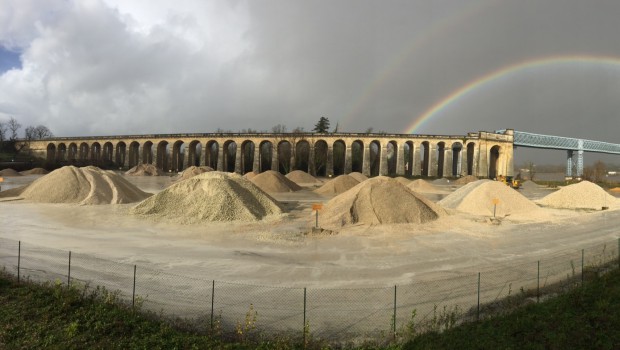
<point>302,177</point>
<point>273,181</point>
<point>192,171</point>
<point>250,175</point>
<point>88,185</point>
<point>615,189</point>
<point>478,198</point>
<point>528,185</point>
<point>465,180</point>
<point>379,200</point>
<point>420,185</point>
<point>145,170</point>
<point>358,176</point>
<point>9,173</point>
<point>338,185</point>
<point>582,195</point>
<point>35,171</point>
<point>208,197</point>
<point>403,180</point>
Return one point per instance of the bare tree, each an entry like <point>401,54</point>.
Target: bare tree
<point>13,127</point>
<point>279,129</point>
<point>3,129</point>
<point>42,132</point>
<point>600,169</point>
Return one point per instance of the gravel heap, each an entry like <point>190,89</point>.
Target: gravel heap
<point>273,181</point>
<point>301,177</point>
<point>420,185</point>
<point>145,170</point>
<point>529,185</point>
<point>9,173</point>
<point>465,180</point>
<point>88,185</point>
<point>35,171</point>
<point>211,196</point>
<point>338,185</point>
<point>379,200</point>
<point>358,176</point>
<point>192,171</point>
<point>477,198</point>
<point>582,195</point>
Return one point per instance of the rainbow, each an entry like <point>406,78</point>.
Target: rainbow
<point>503,73</point>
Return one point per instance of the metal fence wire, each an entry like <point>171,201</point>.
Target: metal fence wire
<point>337,314</point>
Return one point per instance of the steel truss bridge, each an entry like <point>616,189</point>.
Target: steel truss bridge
<point>572,146</point>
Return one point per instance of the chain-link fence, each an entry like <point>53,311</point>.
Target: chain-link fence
<point>321,313</point>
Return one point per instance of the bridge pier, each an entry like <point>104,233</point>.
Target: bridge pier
<point>569,164</point>
<point>580,159</point>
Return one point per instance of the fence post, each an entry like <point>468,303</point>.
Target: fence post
<point>305,300</point>
<point>582,259</point>
<point>394,326</point>
<point>19,258</point>
<point>212,301</point>
<point>478,311</point>
<point>538,284</point>
<point>69,273</point>
<point>133,296</point>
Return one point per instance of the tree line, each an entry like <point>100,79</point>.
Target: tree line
<point>10,141</point>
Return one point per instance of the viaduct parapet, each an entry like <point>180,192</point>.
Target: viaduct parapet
<point>482,154</point>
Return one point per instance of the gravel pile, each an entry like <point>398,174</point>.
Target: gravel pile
<point>273,181</point>
<point>420,185</point>
<point>145,170</point>
<point>208,197</point>
<point>529,185</point>
<point>358,176</point>
<point>338,185</point>
<point>193,171</point>
<point>9,173</point>
<point>35,171</point>
<point>465,180</point>
<point>86,186</point>
<point>301,177</point>
<point>379,200</point>
<point>582,195</point>
<point>477,198</point>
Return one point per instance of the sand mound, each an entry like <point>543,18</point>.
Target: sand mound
<point>301,177</point>
<point>9,173</point>
<point>338,185</point>
<point>377,201</point>
<point>442,181</point>
<point>465,180</point>
<point>529,185</point>
<point>89,185</point>
<point>582,195</point>
<point>250,175</point>
<point>193,171</point>
<point>403,180</point>
<point>615,189</point>
<point>211,196</point>
<point>420,185</point>
<point>358,176</point>
<point>477,198</point>
<point>145,170</point>
<point>35,171</point>
<point>13,192</point>
<point>273,181</point>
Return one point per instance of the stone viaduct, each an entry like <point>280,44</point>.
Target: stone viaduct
<point>482,154</point>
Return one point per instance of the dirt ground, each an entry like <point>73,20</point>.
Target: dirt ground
<point>280,253</point>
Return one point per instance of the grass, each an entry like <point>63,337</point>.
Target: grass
<point>52,316</point>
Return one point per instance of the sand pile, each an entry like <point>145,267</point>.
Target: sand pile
<point>273,181</point>
<point>465,180</point>
<point>615,189</point>
<point>582,195</point>
<point>377,201</point>
<point>192,171</point>
<point>338,185</point>
<point>477,198</point>
<point>529,185</point>
<point>358,176</point>
<point>211,196</point>
<point>250,175</point>
<point>301,177</point>
<point>89,185</point>
<point>403,180</point>
<point>35,171</point>
<point>442,181</point>
<point>9,173</point>
<point>145,170</point>
<point>420,185</point>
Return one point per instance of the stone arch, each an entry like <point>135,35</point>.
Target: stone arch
<point>194,151</point>
<point>408,151</point>
<point>357,156</point>
<point>470,158</point>
<point>391,153</point>
<point>339,150</point>
<point>163,161</point>
<point>147,152</point>
<point>178,153</point>
<point>51,152</point>
<point>425,152</point>
<point>121,154</point>
<point>212,154</point>
<point>375,157</point>
<point>302,155</point>
<point>247,156</point>
<point>457,159</point>
<point>95,152</point>
<point>72,154</point>
<point>441,158</point>
<point>320,158</point>
<point>230,156</point>
<point>285,151</point>
<point>266,156</point>
<point>61,152</point>
<point>494,162</point>
<point>134,154</point>
<point>107,153</point>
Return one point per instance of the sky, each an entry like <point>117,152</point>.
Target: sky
<point>107,67</point>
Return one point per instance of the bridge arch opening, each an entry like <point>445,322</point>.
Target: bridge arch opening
<point>121,154</point>
<point>357,156</point>
<point>51,153</point>
<point>424,158</point>
<point>375,157</point>
<point>134,154</point>
<point>84,152</point>
<point>408,149</point>
<point>107,153</point>
<point>147,153</point>
<point>230,156</point>
<point>266,156</point>
<point>320,158</point>
<point>178,153</point>
<point>470,158</point>
<point>441,158</point>
<point>284,157</point>
<point>193,153</point>
<point>212,152</point>
<point>391,152</point>
<point>457,158</point>
<point>302,155</point>
<point>95,153</point>
<point>72,154</point>
<point>339,153</point>
<point>163,161</point>
<point>247,156</point>
<point>494,162</point>
<point>61,153</point>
